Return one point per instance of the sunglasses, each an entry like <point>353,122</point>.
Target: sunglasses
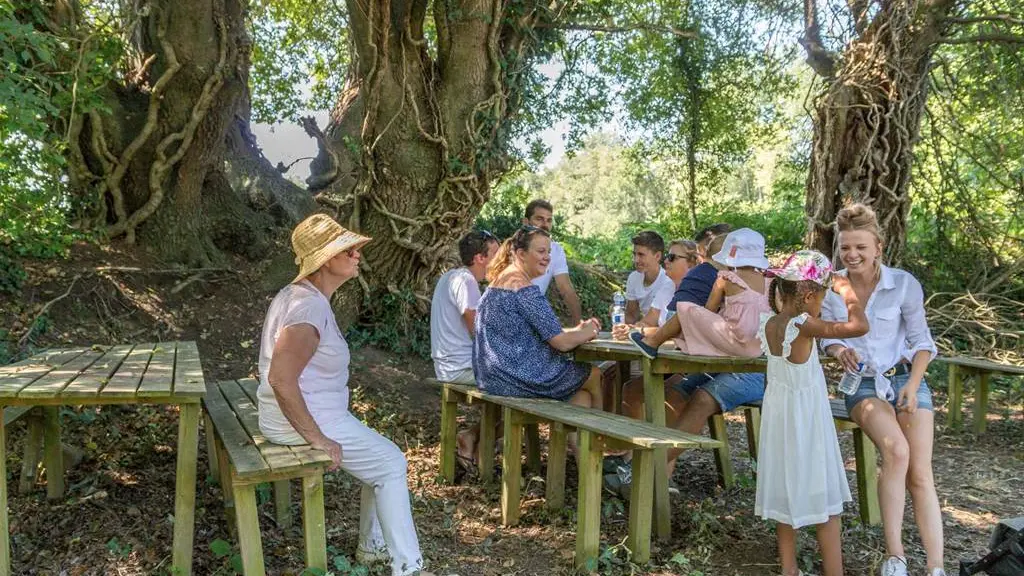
<point>673,257</point>
<point>488,236</point>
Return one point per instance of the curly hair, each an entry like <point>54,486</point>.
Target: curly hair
<point>789,289</point>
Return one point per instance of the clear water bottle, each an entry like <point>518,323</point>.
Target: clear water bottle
<point>850,381</point>
<point>618,309</point>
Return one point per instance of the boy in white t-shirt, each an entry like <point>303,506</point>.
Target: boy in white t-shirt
<point>540,213</point>
<point>649,280</point>
<point>453,309</point>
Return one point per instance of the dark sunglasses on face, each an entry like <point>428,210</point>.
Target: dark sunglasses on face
<point>673,257</point>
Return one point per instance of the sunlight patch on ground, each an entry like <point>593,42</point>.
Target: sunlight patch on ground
<point>982,521</point>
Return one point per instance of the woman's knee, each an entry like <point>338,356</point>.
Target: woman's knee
<point>895,453</point>
<point>920,477</point>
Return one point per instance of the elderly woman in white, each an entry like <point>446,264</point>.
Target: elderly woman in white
<point>893,404</point>
<point>303,393</point>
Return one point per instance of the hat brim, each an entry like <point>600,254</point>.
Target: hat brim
<point>315,260</point>
<point>761,263</point>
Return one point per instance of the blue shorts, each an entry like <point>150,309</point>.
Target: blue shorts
<point>867,390</point>
<point>729,389</point>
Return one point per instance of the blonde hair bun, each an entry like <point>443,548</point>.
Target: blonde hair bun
<point>858,217</point>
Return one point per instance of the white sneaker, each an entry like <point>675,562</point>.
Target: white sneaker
<point>369,558</point>
<point>894,566</point>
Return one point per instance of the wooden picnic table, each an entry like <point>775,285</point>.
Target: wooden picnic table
<point>164,373</point>
<point>669,361</point>
<point>963,366</point>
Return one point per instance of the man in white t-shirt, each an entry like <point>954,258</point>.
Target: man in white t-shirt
<point>453,309</point>
<point>649,280</point>
<point>540,213</point>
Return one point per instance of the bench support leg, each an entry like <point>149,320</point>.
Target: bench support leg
<point>588,519</point>
<point>640,501</point>
<point>489,414</point>
<point>716,425</point>
<point>981,403</point>
<point>224,467</point>
<point>555,485</point>
<point>753,421</point>
<point>624,374</point>
<point>955,391</point>
<point>283,503</point>
<point>654,410</point>
<point>185,488</point>
<point>211,449</point>
<point>249,542</point>
<point>511,467</point>
<point>53,457</point>
<point>32,454</point>
<point>532,448</point>
<point>313,522</point>
<point>449,412</point>
<point>867,478</point>
<point>5,535</point>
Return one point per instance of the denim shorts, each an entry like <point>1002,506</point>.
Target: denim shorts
<point>867,390</point>
<point>729,389</point>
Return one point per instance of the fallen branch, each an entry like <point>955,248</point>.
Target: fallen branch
<point>46,307</point>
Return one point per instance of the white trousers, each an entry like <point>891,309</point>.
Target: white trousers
<point>385,514</point>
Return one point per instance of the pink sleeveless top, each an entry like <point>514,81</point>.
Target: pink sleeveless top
<point>731,332</point>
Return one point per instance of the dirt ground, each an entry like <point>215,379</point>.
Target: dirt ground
<point>116,517</point>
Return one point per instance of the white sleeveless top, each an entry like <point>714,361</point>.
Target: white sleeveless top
<point>324,381</point>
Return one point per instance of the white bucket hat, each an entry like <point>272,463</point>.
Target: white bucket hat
<point>743,247</point>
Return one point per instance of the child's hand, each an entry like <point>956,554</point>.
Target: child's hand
<point>841,285</point>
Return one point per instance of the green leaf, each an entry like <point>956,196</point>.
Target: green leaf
<point>220,548</point>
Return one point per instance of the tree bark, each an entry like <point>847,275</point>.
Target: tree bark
<point>867,120</point>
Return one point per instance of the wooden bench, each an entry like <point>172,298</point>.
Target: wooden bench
<point>962,367</point>
<point>864,452</point>
<point>241,458</point>
<point>597,432</point>
<point>33,450</point>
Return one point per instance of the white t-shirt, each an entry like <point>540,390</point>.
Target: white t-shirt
<point>324,381</point>
<point>451,344</point>
<point>558,266</point>
<point>650,296</point>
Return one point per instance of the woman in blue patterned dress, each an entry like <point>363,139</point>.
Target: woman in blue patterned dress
<point>520,347</point>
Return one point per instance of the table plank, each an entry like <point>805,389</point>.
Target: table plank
<point>278,456</point>
<point>159,376</point>
<point>125,380</point>
<point>188,371</point>
<point>244,456</point>
<point>90,381</point>
<point>16,376</point>
<point>54,382</point>
<point>982,364</point>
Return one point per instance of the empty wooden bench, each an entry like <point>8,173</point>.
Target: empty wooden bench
<point>241,458</point>
<point>597,432</point>
<point>864,452</point>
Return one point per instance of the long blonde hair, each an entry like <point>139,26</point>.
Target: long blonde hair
<point>506,252</point>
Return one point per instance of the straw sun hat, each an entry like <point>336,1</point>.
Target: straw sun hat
<point>319,238</point>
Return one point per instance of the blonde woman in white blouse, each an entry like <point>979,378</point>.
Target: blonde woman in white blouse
<point>893,404</point>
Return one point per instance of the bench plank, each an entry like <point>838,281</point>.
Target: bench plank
<point>158,379</point>
<point>126,379</point>
<point>622,428</point>
<point>244,456</point>
<point>51,384</point>
<point>92,380</point>
<point>278,456</point>
<point>15,377</point>
<point>304,452</point>
<point>188,371</point>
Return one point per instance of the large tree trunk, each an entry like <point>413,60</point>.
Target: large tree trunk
<point>867,119</point>
<point>414,140</point>
<point>169,166</point>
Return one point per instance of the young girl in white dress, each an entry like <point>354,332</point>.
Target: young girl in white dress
<point>801,479</point>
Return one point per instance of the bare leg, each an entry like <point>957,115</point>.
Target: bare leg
<point>466,441</point>
<point>831,546</point>
<point>592,385</point>
<point>633,401</point>
<point>919,431</point>
<point>785,538</point>
<point>878,419</point>
<point>695,414</point>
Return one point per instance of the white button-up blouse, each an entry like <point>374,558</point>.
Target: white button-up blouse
<point>897,329</point>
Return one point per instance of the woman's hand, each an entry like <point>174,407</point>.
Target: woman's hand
<point>907,399</point>
<point>332,448</point>
<point>589,328</point>
<point>849,359</point>
<point>621,331</point>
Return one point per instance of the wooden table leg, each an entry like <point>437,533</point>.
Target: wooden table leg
<point>185,488</point>
<point>5,535</point>
<point>955,391</point>
<point>654,408</point>
<point>981,403</point>
<point>624,374</point>
<point>53,455</point>
<point>588,513</point>
<point>723,458</point>
<point>32,453</point>
<point>640,500</point>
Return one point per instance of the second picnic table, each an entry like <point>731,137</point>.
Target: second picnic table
<point>963,366</point>
<point>669,361</point>
<point>165,373</point>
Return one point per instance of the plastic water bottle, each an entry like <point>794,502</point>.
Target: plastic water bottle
<point>850,381</point>
<point>618,309</point>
